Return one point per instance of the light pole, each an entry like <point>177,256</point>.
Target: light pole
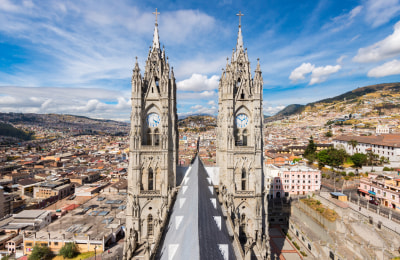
<point>95,252</point>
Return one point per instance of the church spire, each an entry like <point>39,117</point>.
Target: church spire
<point>156,39</point>
<point>239,44</point>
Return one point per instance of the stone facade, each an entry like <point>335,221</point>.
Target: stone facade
<point>153,150</point>
<point>240,144</point>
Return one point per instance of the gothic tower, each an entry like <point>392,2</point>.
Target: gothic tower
<point>153,150</point>
<point>240,143</point>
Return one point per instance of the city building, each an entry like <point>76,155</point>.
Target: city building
<point>94,226</point>
<point>386,145</point>
<point>291,180</point>
<point>383,189</point>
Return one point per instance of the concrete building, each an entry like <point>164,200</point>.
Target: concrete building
<point>291,180</point>
<point>386,145</point>
<point>96,224</point>
<point>5,204</point>
<point>60,189</point>
<point>383,189</point>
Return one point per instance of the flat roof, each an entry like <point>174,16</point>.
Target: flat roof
<point>30,214</point>
<point>338,194</point>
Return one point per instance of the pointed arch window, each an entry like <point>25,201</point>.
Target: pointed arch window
<point>148,137</point>
<point>150,179</point>
<point>244,179</point>
<point>150,227</point>
<point>156,137</point>
<point>244,137</point>
<point>242,95</point>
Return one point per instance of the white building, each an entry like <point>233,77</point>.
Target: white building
<point>387,145</point>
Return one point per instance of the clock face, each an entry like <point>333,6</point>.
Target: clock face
<point>242,120</point>
<point>153,120</point>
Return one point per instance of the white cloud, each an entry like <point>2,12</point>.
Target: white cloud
<point>320,74</point>
<point>387,69</point>
<point>198,82</point>
<point>387,48</point>
<point>211,102</point>
<point>342,21</point>
<point>200,65</point>
<point>381,11</point>
<point>341,58</point>
<point>300,72</point>
<point>272,110</point>
<point>96,103</point>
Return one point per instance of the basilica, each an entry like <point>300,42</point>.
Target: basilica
<point>196,217</point>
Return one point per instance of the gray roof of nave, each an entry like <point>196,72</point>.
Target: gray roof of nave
<point>197,228</point>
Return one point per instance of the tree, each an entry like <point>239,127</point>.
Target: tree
<point>40,252</point>
<point>359,159</point>
<point>309,152</point>
<point>353,143</point>
<point>329,134</point>
<point>332,157</point>
<point>69,250</point>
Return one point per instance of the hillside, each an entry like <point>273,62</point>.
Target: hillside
<point>10,131</point>
<point>197,123</point>
<point>350,96</point>
<point>68,124</point>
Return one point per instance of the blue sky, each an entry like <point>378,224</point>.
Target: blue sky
<point>76,57</point>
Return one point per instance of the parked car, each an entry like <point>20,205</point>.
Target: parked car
<point>374,202</point>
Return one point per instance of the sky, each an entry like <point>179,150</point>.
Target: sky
<point>76,57</point>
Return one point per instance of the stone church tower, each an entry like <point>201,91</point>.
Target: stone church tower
<point>240,144</point>
<point>153,150</point>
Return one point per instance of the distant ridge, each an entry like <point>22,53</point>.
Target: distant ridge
<point>358,92</point>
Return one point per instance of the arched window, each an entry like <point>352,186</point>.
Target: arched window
<point>242,96</point>
<point>151,179</point>
<point>242,229</point>
<point>148,136</point>
<point>244,137</point>
<point>150,230</point>
<point>156,137</point>
<point>244,177</point>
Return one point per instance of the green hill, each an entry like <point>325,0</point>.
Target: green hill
<point>9,130</point>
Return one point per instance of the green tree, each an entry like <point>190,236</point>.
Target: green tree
<point>329,134</point>
<point>353,143</point>
<point>309,152</point>
<point>332,157</point>
<point>359,159</point>
<point>40,252</point>
<point>372,158</point>
<point>69,250</point>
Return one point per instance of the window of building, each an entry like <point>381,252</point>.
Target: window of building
<point>384,194</point>
<point>150,179</point>
<point>244,176</point>
<point>56,243</point>
<point>393,197</point>
<point>150,230</point>
<point>28,244</point>
<point>156,137</point>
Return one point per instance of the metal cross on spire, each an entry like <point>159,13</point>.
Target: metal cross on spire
<point>240,17</point>
<point>156,13</point>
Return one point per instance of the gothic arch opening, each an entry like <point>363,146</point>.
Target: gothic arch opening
<point>148,137</point>
<point>150,227</point>
<point>244,179</point>
<point>244,137</point>
<point>156,137</point>
<point>242,229</point>
<point>150,181</point>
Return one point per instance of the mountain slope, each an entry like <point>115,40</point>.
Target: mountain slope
<point>350,95</point>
